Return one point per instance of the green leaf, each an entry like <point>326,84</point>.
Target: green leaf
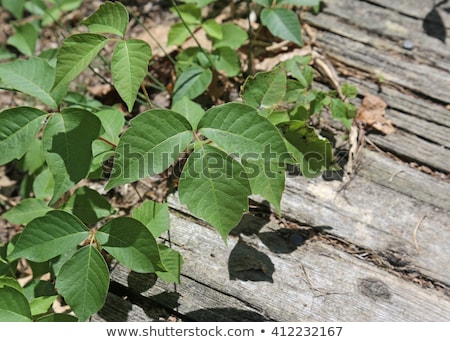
<point>299,69</point>
<point>213,29</point>
<point>199,3</point>
<point>5,54</point>
<point>11,282</point>
<point>57,262</point>
<point>57,318</point>
<point>34,158</point>
<point>178,34</point>
<point>173,262</point>
<point>49,236</point>
<point>130,242</point>
<point>264,3</point>
<point>69,5</point>
<point>299,2</point>
<point>7,269</point>
<point>215,188</point>
<point>44,185</point>
<point>343,111</point>
<point>67,140</point>
<point>349,91</point>
<point>88,205</point>
<point>313,153</point>
<point>112,121</point>
<point>265,89</point>
<point>37,7</point>
<point>129,66</point>
<point>282,23</point>
<point>241,131</point>
<point>41,305</point>
<point>278,116</point>
<point>38,288</point>
<point>238,129</point>
<point>26,211</point>
<point>18,129</point>
<point>75,54</point>
<point>14,306</point>
<point>192,111</point>
<point>192,82</point>
<point>111,17</point>
<point>154,141</point>
<point>15,7</point>
<point>232,36</point>
<point>33,77</point>
<point>267,178</point>
<point>226,61</point>
<point>39,268</point>
<point>153,215</point>
<point>88,270</point>
<point>190,13</point>
<point>24,39</point>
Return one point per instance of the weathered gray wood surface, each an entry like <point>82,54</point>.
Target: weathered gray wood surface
<point>262,276</point>
<point>377,249</point>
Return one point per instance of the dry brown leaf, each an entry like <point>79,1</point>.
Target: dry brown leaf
<point>371,113</point>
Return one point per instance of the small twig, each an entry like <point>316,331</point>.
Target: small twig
<point>191,33</point>
<point>415,231</point>
<point>394,175</point>
<point>149,102</point>
<point>141,199</point>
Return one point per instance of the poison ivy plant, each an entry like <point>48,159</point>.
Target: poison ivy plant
<point>225,153</point>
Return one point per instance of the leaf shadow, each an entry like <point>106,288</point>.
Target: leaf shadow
<point>247,262</point>
<point>226,315</point>
<point>433,25</point>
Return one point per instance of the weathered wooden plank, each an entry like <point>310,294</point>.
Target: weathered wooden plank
<point>412,148</point>
<point>361,49</point>
<point>429,131</point>
<point>420,78</point>
<point>379,211</point>
<point>400,177</point>
<point>273,279</point>
<point>375,217</point>
<point>382,28</point>
<point>405,103</point>
<point>193,299</point>
<point>414,8</point>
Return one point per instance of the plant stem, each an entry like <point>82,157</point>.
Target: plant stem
<point>169,57</point>
<point>250,41</point>
<point>191,33</point>
<point>149,102</point>
<point>107,141</point>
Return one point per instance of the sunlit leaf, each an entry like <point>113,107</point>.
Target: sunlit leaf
<point>49,236</point>
<point>27,210</point>
<point>153,142</point>
<point>33,77</point>
<point>129,67</point>
<point>283,23</point>
<point>110,17</point>
<point>75,54</point>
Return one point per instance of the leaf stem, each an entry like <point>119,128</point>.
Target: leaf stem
<point>147,98</point>
<point>169,57</point>
<point>107,141</point>
<point>192,34</point>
